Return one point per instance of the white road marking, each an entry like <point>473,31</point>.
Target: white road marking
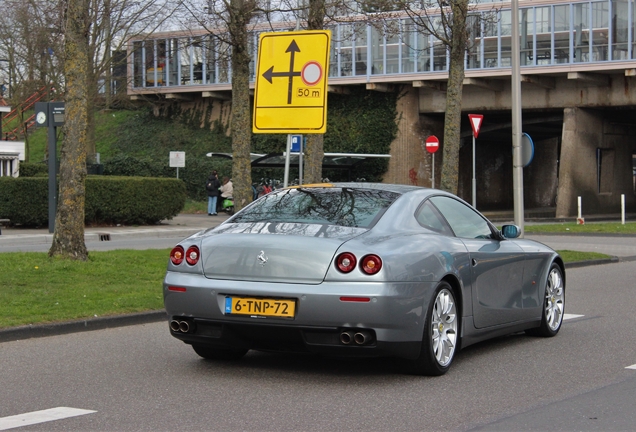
<point>43,416</point>
<point>631,367</point>
<point>571,316</point>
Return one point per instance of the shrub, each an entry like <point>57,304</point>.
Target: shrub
<point>24,200</point>
<point>123,200</point>
<point>34,169</point>
<point>194,174</point>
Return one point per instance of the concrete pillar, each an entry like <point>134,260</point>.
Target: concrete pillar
<point>540,177</point>
<point>582,135</point>
<point>410,163</point>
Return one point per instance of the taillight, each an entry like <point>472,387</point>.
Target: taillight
<point>371,264</point>
<point>346,262</point>
<point>192,255</point>
<point>176,255</point>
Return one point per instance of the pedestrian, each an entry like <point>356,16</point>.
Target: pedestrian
<point>212,186</point>
<point>227,189</point>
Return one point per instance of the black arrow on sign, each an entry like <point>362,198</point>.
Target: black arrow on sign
<point>269,73</point>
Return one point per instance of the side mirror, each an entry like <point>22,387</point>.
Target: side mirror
<point>510,231</point>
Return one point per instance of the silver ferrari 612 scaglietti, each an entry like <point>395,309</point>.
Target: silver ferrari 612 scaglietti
<point>355,269</point>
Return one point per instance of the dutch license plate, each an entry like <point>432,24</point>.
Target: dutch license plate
<point>281,308</point>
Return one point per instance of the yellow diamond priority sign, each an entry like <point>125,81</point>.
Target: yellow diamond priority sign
<point>290,95</point>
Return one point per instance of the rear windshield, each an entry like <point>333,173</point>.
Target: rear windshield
<point>333,206</point>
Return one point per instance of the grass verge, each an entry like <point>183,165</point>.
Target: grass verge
<point>592,227</point>
<point>574,256</point>
<point>35,289</point>
<point>195,207</point>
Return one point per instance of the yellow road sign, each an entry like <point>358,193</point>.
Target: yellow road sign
<point>290,95</point>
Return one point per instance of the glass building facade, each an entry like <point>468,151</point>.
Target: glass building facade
<point>560,33</point>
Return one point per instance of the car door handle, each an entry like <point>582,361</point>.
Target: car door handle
<point>474,261</point>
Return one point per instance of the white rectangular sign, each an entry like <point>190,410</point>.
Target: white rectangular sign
<point>177,159</point>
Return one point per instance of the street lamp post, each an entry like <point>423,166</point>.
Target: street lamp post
<point>517,166</point>
<point>9,68</point>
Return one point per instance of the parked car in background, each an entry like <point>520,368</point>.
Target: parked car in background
<point>359,269</point>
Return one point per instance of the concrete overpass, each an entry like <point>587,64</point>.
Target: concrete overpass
<point>578,95</point>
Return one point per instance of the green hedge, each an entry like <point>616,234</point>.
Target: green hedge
<point>194,175</point>
<point>110,200</point>
<point>34,169</point>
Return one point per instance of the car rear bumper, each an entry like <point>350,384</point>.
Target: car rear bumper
<point>264,337</point>
<point>391,322</point>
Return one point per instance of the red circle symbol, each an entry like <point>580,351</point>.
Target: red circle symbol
<point>432,144</point>
<point>311,73</point>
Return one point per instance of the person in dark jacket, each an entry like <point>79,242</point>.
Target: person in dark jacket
<point>212,186</point>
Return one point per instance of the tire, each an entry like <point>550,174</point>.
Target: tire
<point>214,353</point>
<point>440,341</point>
<point>553,305</point>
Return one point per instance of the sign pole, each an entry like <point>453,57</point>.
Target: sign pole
<point>287,154</point>
<point>474,177</point>
<point>433,177</point>
<point>475,123</point>
<point>432,145</point>
<point>515,90</point>
<point>52,175</point>
<point>300,161</point>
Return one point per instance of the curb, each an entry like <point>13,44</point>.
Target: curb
<point>593,262</point>
<point>55,329</point>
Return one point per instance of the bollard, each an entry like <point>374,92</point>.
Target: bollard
<point>579,219</point>
<point>623,209</point>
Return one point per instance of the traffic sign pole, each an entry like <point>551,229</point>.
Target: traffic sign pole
<point>433,177</point>
<point>475,123</point>
<point>474,177</point>
<point>300,160</point>
<point>287,155</point>
<point>432,145</point>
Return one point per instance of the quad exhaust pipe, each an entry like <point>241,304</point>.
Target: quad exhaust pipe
<point>362,337</point>
<point>180,326</point>
<point>356,337</point>
<point>346,337</point>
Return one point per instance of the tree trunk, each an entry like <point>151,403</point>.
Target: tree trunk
<point>314,155</point>
<point>240,14</point>
<point>452,119</point>
<point>315,142</point>
<point>68,239</point>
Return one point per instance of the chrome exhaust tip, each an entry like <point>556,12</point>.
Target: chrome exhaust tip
<point>184,326</point>
<point>361,338</point>
<point>345,338</point>
<point>174,325</point>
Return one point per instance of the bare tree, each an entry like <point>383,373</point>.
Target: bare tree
<point>316,14</point>
<point>446,21</point>
<point>30,43</point>
<point>68,239</point>
<point>229,23</point>
<point>240,13</point>
<point>114,23</point>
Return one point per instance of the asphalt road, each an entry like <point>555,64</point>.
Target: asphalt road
<point>140,378</point>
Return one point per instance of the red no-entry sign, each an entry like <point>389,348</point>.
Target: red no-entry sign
<point>432,144</point>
